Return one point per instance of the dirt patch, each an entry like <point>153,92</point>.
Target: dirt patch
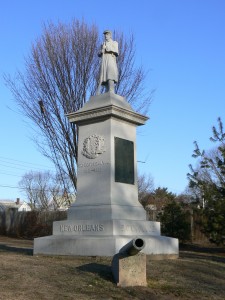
<point>197,274</point>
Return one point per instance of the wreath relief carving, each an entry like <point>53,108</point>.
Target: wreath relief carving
<point>93,146</point>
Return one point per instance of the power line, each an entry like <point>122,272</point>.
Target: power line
<point>6,167</point>
<point>13,167</point>
<point>9,174</point>
<point>9,186</point>
<point>2,158</point>
<point>15,164</point>
<point>22,188</point>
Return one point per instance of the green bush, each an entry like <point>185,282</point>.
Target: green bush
<point>175,222</point>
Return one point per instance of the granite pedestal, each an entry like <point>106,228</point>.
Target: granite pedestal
<point>129,270</point>
<point>107,214</point>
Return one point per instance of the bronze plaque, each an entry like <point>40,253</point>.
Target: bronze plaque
<point>124,161</point>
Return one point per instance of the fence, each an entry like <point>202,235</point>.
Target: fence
<point>195,221</point>
<point>36,224</point>
<point>197,234</point>
<point>29,224</point>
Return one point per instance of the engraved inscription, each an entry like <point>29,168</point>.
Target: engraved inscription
<point>93,146</point>
<point>92,166</point>
<point>81,227</point>
<point>92,170</point>
<point>137,229</point>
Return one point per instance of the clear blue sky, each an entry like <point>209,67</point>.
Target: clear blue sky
<point>181,42</point>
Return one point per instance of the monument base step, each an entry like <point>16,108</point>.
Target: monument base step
<point>106,228</point>
<point>103,246</point>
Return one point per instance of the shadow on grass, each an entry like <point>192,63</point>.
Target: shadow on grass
<point>203,257</point>
<point>6,248</point>
<point>216,254</point>
<point>202,249</point>
<point>101,270</point>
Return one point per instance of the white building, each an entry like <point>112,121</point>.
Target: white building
<point>18,205</point>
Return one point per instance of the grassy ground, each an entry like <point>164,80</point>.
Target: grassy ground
<point>199,273</point>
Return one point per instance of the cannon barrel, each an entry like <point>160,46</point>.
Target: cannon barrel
<point>135,246</point>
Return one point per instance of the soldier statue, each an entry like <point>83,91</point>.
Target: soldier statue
<point>109,70</point>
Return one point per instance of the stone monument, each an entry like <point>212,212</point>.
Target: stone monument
<point>107,214</point>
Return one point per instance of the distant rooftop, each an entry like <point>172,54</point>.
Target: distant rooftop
<point>5,203</point>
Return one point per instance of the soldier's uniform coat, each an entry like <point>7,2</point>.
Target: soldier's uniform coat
<point>109,69</point>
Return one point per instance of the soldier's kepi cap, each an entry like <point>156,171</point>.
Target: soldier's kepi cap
<point>107,31</point>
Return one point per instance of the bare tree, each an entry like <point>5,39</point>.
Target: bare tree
<point>27,186</point>
<point>145,187</point>
<point>60,74</point>
<point>44,191</point>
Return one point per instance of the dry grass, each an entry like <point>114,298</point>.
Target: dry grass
<point>199,273</point>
